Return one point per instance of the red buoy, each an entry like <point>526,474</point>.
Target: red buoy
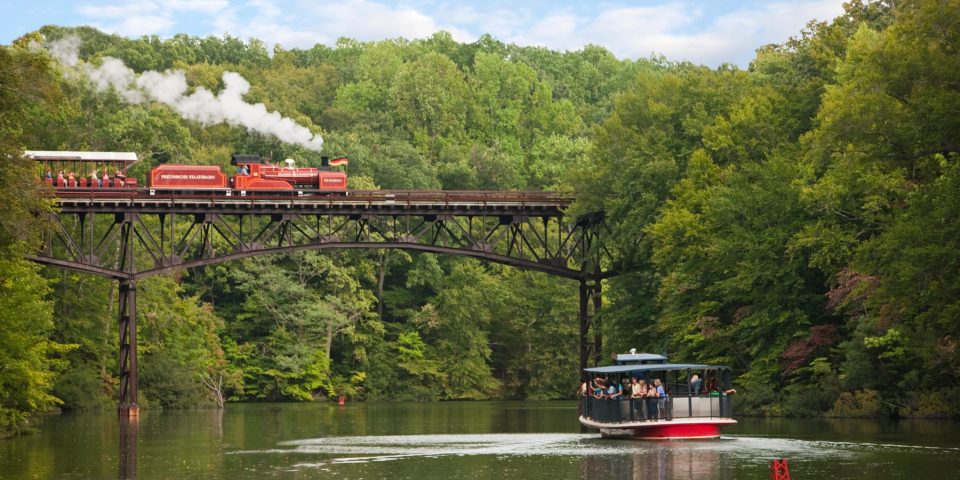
<point>342,400</point>
<point>779,469</point>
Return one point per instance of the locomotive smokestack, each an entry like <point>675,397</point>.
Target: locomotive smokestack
<point>324,162</point>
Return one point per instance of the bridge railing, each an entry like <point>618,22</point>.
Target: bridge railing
<point>397,197</point>
<point>620,410</point>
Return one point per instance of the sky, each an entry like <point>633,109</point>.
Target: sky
<point>709,32</point>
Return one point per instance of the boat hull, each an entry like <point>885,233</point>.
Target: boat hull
<point>678,429</point>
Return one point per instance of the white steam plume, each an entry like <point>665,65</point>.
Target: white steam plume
<point>170,88</point>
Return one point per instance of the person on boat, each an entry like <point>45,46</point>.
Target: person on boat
<point>661,399</point>
<point>712,384</point>
<point>627,389</point>
<point>598,387</point>
<point>668,403</point>
<point>695,382</point>
<point>651,399</point>
<point>614,390</point>
<point>639,397</point>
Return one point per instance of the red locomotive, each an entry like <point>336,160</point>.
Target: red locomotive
<point>253,175</point>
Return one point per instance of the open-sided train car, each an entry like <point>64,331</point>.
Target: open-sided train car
<point>85,170</point>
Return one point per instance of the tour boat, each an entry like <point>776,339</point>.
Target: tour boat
<point>696,406</point>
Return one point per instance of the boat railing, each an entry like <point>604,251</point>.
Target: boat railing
<point>621,410</point>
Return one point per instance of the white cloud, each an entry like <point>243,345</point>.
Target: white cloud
<point>118,11</point>
<point>138,25</point>
<point>678,29</point>
<point>368,20</point>
<point>202,6</point>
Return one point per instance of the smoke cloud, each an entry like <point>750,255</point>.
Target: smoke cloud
<point>170,88</point>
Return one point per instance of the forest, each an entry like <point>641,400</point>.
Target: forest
<point>798,220</point>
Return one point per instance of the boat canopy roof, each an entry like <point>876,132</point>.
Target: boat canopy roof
<point>640,357</point>
<point>654,367</point>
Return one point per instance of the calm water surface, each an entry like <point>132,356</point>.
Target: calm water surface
<point>485,440</point>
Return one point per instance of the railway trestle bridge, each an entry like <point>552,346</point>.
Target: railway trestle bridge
<point>129,236</point>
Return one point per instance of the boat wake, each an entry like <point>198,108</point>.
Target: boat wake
<point>759,450</point>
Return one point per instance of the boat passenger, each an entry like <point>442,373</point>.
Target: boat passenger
<point>614,390</point>
<point>598,387</point>
<point>695,382</point>
<point>651,400</point>
<point>668,402</point>
<point>626,387</point>
<point>661,399</point>
<point>639,398</point>
<point>712,384</point>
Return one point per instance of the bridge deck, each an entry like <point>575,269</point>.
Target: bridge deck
<point>381,202</point>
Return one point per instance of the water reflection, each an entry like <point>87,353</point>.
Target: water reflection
<point>129,430</point>
<point>477,440</point>
<point>660,461</point>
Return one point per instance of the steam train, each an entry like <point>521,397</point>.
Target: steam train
<point>105,171</point>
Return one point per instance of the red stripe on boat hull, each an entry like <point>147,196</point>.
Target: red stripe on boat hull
<point>662,430</point>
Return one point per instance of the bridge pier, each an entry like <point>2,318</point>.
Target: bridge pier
<point>590,292</point>
<point>128,349</point>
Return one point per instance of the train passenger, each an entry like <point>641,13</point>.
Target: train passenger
<point>71,180</point>
<point>119,179</point>
<point>60,180</point>
<point>49,174</point>
<point>105,181</point>
<point>95,179</point>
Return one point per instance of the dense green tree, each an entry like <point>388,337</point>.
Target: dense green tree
<point>28,357</point>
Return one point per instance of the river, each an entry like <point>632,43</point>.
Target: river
<point>452,440</point>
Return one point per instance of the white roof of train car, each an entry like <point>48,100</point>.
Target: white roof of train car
<point>86,156</point>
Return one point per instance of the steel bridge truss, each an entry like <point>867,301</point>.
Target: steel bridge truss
<point>129,239</point>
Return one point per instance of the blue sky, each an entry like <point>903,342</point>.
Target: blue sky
<point>707,32</point>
